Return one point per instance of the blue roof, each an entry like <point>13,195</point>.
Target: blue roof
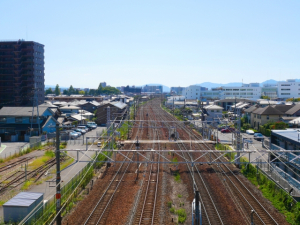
<point>23,199</point>
<point>19,202</point>
<point>291,134</point>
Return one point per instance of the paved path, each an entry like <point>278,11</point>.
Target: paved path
<point>11,148</point>
<point>48,188</point>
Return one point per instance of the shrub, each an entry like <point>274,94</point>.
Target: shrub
<point>172,210</point>
<point>181,215</point>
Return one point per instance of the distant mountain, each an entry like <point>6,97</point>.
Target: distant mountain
<point>210,85</point>
<point>53,86</point>
<point>165,88</point>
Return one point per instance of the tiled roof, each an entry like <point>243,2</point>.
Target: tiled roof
<point>268,110</point>
<point>293,110</point>
<point>22,111</point>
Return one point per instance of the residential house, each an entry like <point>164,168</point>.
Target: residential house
<point>214,112</point>
<point>294,111</point>
<point>117,109</point>
<point>16,122</point>
<point>248,112</point>
<point>90,106</point>
<point>260,116</point>
<point>68,110</point>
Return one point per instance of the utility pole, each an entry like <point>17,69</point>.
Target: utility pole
<point>58,194</point>
<point>197,209</point>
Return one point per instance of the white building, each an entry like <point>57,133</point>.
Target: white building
<point>214,112</point>
<point>250,91</point>
<point>288,89</point>
<point>192,92</point>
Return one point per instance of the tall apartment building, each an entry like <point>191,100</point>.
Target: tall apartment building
<point>103,84</point>
<point>21,72</point>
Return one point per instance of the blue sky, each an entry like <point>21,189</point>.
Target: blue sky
<point>175,43</point>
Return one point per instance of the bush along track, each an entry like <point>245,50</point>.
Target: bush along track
<point>279,198</point>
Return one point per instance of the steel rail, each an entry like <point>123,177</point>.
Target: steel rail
<point>110,184</point>
<point>244,187</point>
<point>149,184</point>
<point>208,201</point>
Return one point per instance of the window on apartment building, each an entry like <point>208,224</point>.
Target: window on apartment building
<point>236,89</point>
<point>2,119</point>
<point>19,119</point>
<point>285,89</point>
<point>285,93</point>
<point>285,85</point>
<point>212,110</point>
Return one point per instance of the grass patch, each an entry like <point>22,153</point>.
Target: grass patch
<point>39,161</point>
<point>66,163</point>
<point>172,210</point>
<point>279,198</point>
<point>181,215</point>
<point>169,204</point>
<point>49,153</point>
<point>177,176</point>
<point>2,202</point>
<point>230,156</point>
<point>179,196</point>
<point>27,185</point>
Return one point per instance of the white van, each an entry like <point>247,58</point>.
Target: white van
<point>251,132</point>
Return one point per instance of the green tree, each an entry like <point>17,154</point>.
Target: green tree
<point>99,90</point>
<point>82,92</point>
<point>265,97</point>
<point>57,90</point>
<point>65,92</point>
<point>71,90</point>
<point>48,91</point>
<point>110,91</point>
<point>92,92</point>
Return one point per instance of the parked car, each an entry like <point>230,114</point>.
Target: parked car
<point>258,136</point>
<point>84,127</point>
<point>74,135</point>
<point>79,133</point>
<point>82,131</point>
<point>221,128</point>
<point>231,129</point>
<point>225,130</point>
<point>92,124</point>
<point>251,132</point>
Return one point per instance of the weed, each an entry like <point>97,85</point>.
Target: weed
<point>169,204</point>
<point>179,196</point>
<point>177,176</point>
<point>172,210</point>
<point>26,185</point>
<point>49,153</point>
<point>181,215</point>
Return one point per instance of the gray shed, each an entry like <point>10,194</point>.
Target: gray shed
<point>17,208</point>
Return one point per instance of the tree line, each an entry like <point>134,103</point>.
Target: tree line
<point>72,91</point>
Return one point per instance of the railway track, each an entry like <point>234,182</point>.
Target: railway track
<point>19,177</point>
<point>14,164</point>
<point>146,213</point>
<point>100,212</point>
<point>249,201</point>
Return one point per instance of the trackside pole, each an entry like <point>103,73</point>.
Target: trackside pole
<point>58,195</point>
